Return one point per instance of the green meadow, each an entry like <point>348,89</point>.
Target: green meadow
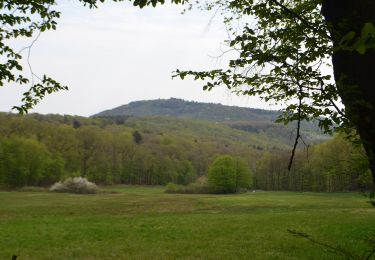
<point>146,223</point>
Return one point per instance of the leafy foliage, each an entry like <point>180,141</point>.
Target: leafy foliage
<point>282,56</point>
<point>27,162</point>
<point>335,165</point>
<point>228,175</point>
<point>222,175</point>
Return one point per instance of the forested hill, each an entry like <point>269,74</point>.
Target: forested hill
<point>186,109</point>
<point>254,121</point>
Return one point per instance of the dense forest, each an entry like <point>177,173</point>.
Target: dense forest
<point>38,150</point>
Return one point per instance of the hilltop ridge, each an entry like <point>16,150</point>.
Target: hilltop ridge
<point>180,108</point>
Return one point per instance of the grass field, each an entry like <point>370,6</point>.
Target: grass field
<point>145,223</point>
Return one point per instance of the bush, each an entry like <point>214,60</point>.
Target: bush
<point>174,188</point>
<point>75,185</point>
<point>198,187</point>
<point>222,175</point>
<point>32,189</point>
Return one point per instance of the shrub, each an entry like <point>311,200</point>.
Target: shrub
<point>59,187</point>
<point>75,185</point>
<point>174,188</point>
<point>222,175</point>
<point>198,187</point>
<point>32,189</point>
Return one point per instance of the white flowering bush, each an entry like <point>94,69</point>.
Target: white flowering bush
<point>75,185</point>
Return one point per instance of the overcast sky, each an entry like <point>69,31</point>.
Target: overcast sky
<point>118,53</point>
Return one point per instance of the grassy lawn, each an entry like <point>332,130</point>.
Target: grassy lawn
<point>145,223</point>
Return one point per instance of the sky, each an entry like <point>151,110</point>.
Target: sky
<point>118,53</point>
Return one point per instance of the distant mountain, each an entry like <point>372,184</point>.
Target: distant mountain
<point>186,109</point>
<point>250,120</point>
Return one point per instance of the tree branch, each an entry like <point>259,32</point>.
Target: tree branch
<point>294,14</point>
<point>298,135</point>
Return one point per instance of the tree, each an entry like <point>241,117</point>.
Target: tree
<point>222,175</point>
<point>186,172</point>
<point>284,48</point>
<point>89,142</point>
<point>228,174</point>
<point>339,164</point>
<point>354,69</point>
<point>137,137</point>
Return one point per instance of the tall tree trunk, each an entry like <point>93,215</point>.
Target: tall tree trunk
<point>354,73</point>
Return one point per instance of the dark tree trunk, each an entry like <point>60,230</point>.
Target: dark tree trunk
<point>354,73</point>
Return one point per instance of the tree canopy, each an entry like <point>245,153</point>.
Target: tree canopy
<point>221,175</point>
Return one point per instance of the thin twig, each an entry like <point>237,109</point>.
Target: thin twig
<point>339,111</point>
<point>296,15</point>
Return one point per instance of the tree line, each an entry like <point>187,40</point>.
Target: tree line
<point>38,150</point>
<point>335,165</point>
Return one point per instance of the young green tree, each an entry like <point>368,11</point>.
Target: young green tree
<point>222,175</point>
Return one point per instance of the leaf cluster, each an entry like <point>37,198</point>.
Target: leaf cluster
<point>283,50</point>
